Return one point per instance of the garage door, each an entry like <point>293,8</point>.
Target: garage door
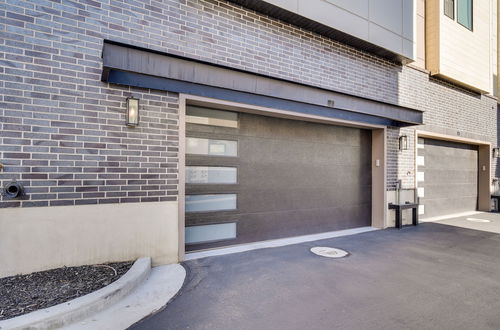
<point>447,177</point>
<point>252,178</point>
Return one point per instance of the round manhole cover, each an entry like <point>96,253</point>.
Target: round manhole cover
<point>329,252</point>
<point>477,220</point>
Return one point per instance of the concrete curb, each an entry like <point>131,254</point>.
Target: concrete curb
<point>162,285</point>
<point>82,307</point>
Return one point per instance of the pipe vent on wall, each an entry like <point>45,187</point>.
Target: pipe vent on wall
<point>13,190</point>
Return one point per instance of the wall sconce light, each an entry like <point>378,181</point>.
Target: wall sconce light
<point>496,153</point>
<point>132,112</point>
<point>403,142</point>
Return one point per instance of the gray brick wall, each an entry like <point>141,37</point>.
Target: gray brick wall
<point>62,129</point>
<point>449,110</point>
<point>81,153</point>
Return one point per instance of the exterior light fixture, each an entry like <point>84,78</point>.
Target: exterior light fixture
<point>403,142</point>
<point>496,152</point>
<point>132,112</point>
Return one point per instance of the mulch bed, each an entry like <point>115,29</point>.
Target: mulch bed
<point>22,294</point>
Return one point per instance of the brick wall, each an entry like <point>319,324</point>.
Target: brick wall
<point>448,109</point>
<point>79,152</point>
<point>62,128</point>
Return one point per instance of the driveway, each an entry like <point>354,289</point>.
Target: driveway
<point>480,221</point>
<point>433,276</point>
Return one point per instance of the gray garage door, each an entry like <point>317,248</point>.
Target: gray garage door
<point>251,178</point>
<point>448,176</point>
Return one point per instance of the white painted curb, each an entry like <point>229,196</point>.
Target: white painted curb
<point>71,311</point>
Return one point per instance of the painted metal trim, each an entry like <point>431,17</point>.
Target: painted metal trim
<point>126,58</point>
<point>447,137</point>
<point>272,112</point>
<point>165,84</point>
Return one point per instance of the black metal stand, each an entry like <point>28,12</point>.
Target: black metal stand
<point>399,207</point>
<point>498,202</point>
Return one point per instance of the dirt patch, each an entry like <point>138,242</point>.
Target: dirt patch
<point>22,294</point>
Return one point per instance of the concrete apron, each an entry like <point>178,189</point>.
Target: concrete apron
<point>489,222</point>
<point>274,243</point>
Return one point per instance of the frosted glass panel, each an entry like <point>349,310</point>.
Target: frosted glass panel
<point>215,202</point>
<point>209,174</point>
<point>199,146</point>
<point>210,233</point>
<point>204,116</point>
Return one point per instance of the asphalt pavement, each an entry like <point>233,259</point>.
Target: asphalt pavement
<point>433,276</point>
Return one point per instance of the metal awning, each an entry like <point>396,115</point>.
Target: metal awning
<point>132,66</point>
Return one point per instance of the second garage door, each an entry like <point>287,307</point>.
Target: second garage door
<point>447,177</point>
<point>251,178</point>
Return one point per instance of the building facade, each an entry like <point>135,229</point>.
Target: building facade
<point>257,120</point>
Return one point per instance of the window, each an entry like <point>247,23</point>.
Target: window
<point>449,8</point>
<point>204,116</point>
<point>464,13</point>
<point>208,203</point>
<point>209,147</point>
<point>210,233</point>
<point>210,174</point>
<point>463,10</point>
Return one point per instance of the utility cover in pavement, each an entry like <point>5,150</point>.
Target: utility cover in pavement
<point>329,252</point>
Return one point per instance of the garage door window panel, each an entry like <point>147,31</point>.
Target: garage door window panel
<point>210,202</point>
<point>211,147</point>
<point>210,233</point>
<point>211,117</point>
<point>211,175</point>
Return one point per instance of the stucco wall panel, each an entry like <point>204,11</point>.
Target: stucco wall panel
<point>34,239</point>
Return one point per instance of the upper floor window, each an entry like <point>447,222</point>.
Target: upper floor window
<point>464,13</point>
<point>449,8</point>
<point>463,9</point>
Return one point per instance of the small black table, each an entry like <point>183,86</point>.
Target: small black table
<point>498,202</point>
<point>399,207</point>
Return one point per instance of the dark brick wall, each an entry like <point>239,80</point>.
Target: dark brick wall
<point>81,153</point>
<point>62,129</point>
